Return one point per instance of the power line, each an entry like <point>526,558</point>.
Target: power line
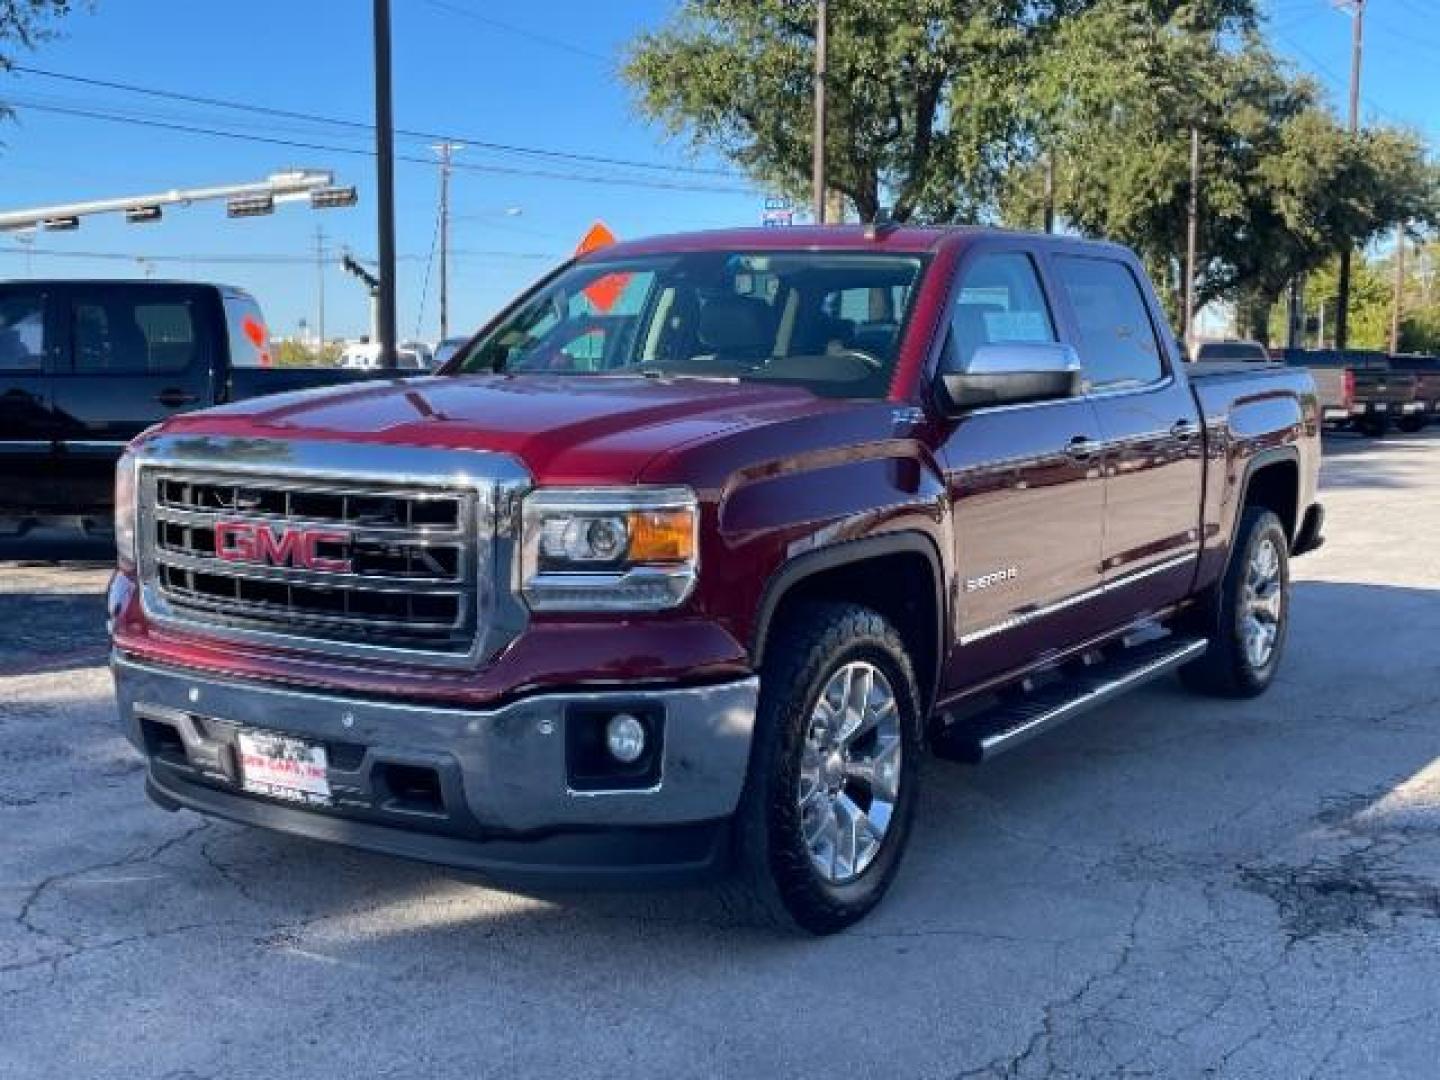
<point>600,179</point>
<point>519,31</point>
<point>425,284</point>
<point>361,126</point>
<point>1338,81</point>
<point>255,259</point>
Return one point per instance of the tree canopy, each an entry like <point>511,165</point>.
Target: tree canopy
<point>950,111</point>
<point>924,103</point>
<point>24,24</point>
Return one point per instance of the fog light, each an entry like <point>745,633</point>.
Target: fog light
<point>625,738</point>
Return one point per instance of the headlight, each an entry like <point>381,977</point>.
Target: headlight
<point>608,549</point>
<point>125,511</point>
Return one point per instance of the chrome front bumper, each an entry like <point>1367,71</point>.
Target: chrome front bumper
<point>501,772</point>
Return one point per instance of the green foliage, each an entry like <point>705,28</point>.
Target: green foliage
<point>950,109</point>
<point>1283,185</point>
<point>1372,301</point>
<point>291,353</point>
<point>26,23</point>
<point>925,97</point>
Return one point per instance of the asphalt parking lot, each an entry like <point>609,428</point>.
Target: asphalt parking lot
<point>1170,887</point>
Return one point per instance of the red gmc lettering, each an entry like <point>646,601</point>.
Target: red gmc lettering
<point>244,541</point>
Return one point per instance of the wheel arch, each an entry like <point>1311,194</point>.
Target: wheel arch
<point>1272,480</point>
<point>867,571</point>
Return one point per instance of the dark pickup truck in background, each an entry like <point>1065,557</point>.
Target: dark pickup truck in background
<point>85,366</point>
<point>1370,392</point>
<point>1425,370</point>
<point>685,560</point>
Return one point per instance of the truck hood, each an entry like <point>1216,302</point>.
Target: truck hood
<point>565,429</point>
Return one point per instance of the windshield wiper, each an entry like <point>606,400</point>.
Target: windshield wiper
<point>660,373</point>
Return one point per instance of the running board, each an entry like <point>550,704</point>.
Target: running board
<point>1011,724</point>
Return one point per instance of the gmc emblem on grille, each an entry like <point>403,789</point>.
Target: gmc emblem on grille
<point>292,545</point>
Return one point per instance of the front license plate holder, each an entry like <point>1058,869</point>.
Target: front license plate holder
<point>283,767</point>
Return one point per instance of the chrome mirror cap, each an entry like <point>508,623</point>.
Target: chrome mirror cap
<point>1011,373</point>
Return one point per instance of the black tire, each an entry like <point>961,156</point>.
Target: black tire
<point>775,881</point>
<point>1411,424</point>
<point>1227,669</point>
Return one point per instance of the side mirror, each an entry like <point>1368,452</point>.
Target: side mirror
<point>1010,374</point>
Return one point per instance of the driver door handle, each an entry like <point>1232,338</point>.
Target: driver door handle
<point>173,399</point>
<point>1083,448</point>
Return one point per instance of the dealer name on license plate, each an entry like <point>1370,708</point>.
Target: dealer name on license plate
<point>283,767</point>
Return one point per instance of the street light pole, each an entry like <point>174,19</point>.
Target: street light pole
<point>817,177</point>
<point>320,287</point>
<point>1398,311</point>
<point>1192,234</point>
<point>1357,48</point>
<point>385,185</point>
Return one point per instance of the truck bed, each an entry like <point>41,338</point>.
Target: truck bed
<point>1211,369</point>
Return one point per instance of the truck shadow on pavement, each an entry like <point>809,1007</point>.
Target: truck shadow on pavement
<point>1396,462</point>
<point>1165,876</point>
<point>1162,786</point>
<point>45,631</point>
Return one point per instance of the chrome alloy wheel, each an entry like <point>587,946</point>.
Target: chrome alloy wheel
<point>1264,604</point>
<point>850,771</point>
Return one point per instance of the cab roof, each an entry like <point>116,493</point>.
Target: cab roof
<point>884,238</point>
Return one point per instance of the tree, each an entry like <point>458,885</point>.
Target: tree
<point>24,24</point>
<point>1372,299</point>
<point>951,110</point>
<point>291,353</point>
<point>1283,185</point>
<point>924,96</point>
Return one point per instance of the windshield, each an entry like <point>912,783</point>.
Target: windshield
<point>448,348</point>
<point>827,321</point>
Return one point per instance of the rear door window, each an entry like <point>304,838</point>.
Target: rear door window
<point>249,336</point>
<point>1118,346</point>
<point>116,334</point>
<point>22,330</point>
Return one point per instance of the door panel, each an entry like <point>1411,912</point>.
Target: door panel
<point>27,417</point>
<point>1155,473</point>
<point>1025,486</point>
<point>138,354</point>
<point>1027,515</point>
<point>1150,423</point>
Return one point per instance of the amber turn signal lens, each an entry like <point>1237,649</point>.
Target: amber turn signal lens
<point>661,536</point>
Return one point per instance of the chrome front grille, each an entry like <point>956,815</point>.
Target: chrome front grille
<point>411,581</point>
<point>391,553</point>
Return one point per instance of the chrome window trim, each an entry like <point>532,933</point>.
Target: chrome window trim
<point>494,481</point>
<point>1024,618</point>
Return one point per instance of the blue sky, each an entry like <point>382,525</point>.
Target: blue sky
<point>535,74</point>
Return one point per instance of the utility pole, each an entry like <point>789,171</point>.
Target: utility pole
<point>385,185</point>
<point>1397,311</point>
<point>817,178</point>
<point>445,150</point>
<point>320,287</point>
<point>1192,236</point>
<point>1049,192</point>
<point>1357,48</point>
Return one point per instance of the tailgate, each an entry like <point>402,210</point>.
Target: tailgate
<point>1387,387</point>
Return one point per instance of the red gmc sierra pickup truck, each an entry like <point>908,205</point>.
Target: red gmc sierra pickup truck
<point>685,560</point>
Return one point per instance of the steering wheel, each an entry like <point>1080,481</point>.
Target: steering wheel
<point>871,362</point>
